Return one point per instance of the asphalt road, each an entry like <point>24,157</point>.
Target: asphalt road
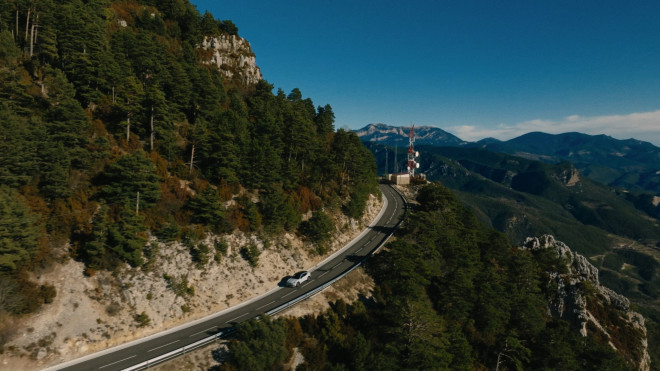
<point>139,351</point>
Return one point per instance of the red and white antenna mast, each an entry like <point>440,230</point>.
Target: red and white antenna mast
<point>412,164</point>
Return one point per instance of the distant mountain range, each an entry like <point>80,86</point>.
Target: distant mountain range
<point>398,136</point>
<point>630,164</point>
<point>535,184</point>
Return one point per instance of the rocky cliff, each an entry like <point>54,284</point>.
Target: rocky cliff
<point>233,56</point>
<point>575,295</point>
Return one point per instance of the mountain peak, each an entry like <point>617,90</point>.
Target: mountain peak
<point>398,135</point>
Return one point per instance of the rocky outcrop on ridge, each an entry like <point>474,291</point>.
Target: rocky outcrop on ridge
<point>575,295</point>
<point>234,58</point>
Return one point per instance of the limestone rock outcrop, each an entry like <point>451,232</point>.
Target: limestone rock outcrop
<point>577,297</point>
<point>233,56</point>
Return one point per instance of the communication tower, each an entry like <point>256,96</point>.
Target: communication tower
<point>412,163</point>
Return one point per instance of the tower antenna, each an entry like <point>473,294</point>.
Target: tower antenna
<point>387,161</point>
<point>396,167</point>
<point>412,163</point>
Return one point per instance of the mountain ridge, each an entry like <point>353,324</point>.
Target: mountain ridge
<point>630,164</point>
<point>398,136</point>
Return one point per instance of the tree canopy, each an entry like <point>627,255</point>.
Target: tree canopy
<point>115,126</point>
<point>449,294</point>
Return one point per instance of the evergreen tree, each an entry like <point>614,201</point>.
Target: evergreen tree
<point>259,345</point>
<point>278,210</point>
<point>19,230</point>
<point>126,237</point>
<point>9,53</point>
<point>20,142</point>
<point>207,209</point>
<point>126,177</point>
<point>324,120</point>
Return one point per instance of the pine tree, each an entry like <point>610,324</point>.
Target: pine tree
<point>129,175</point>
<point>19,230</point>
<point>126,237</point>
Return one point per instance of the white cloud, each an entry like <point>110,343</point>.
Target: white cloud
<point>643,126</point>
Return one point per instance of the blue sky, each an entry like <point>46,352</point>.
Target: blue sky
<point>474,68</point>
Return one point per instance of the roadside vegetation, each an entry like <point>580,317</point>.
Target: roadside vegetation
<point>450,294</point>
<point>113,129</point>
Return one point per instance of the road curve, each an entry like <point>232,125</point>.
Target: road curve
<point>139,351</point>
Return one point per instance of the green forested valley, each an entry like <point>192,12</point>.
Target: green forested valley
<point>114,128</point>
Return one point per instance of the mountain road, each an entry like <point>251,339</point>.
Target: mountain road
<point>142,350</point>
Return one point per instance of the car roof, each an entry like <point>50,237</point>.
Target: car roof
<point>299,274</point>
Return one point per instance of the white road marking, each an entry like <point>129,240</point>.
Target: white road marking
<point>291,293</point>
<point>121,360</point>
<point>323,274</point>
<point>197,333</point>
<point>242,315</point>
<point>162,346</point>
<point>263,306</point>
<point>336,265</point>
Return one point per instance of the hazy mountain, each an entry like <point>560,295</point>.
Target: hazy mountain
<point>523,197</point>
<point>630,164</point>
<point>398,136</point>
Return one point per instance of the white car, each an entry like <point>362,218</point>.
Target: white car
<point>298,279</point>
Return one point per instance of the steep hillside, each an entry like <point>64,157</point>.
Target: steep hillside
<point>575,294</point>
<point>129,127</point>
<point>523,197</point>
<point>451,294</point>
<point>94,313</point>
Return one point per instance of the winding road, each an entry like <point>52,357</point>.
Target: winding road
<point>140,351</point>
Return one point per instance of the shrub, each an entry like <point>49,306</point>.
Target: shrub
<point>251,254</point>
<point>168,232</point>
<point>220,249</point>
<point>48,292</point>
<point>113,308</point>
<point>179,286</point>
<point>200,254</point>
<point>221,246</point>
<point>142,319</point>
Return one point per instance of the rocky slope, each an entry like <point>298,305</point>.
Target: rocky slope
<point>577,296</point>
<point>94,313</point>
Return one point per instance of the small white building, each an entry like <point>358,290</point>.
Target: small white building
<point>399,179</point>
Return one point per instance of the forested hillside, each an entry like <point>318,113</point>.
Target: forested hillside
<point>522,198</point>
<point>451,294</point>
<point>114,128</point>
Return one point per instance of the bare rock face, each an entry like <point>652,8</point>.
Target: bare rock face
<point>578,297</point>
<point>569,177</point>
<point>234,58</point>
